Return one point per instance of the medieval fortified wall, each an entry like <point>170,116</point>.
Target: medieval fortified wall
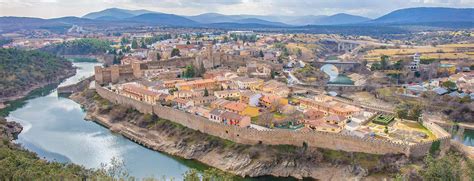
<point>334,141</point>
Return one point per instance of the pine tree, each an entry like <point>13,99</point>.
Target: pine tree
<point>158,56</point>
<point>134,44</point>
<point>175,52</point>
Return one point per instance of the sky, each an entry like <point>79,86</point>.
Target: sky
<point>368,8</point>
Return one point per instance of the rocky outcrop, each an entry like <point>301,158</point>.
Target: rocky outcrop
<point>9,130</point>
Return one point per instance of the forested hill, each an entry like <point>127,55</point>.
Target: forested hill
<point>86,46</point>
<point>21,70</point>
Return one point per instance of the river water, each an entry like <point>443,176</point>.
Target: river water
<point>54,128</point>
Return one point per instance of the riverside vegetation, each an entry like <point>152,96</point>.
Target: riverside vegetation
<point>22,71</point>
<point>83,46</point>
<point>17,163</point>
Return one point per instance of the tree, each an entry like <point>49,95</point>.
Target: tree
<point>201,69</point>
<point>143,45</point>
<point>445,168</point>
<point>272,74</point>
<point>398,65</point>
<point>384,62</point>
<point>188,43</point>
<point>415,112</point>
<point>189,72</point>
<point>116,60</point>
<point>175,52</point>
<point>206,92</point>
<point>375,66</point>
<point>134,44</point>
<point>409,111</point>
<point>191,175</point>
<point>158,56</point>
<point>299,52</point>
<point>449,84</point>
<point>124,41</point>
<point>261,54</point>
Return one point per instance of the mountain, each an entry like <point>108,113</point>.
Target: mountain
<point>162,19</point>
<point>116,13</point>
<point>209,18</point>
<point>427,15</point>
<point>339,19</point>
<point>259,21</point>
<point>302,20</point>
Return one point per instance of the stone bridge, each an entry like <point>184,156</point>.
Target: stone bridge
<point>341,66</point>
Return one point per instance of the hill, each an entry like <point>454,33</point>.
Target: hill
<point>427,15</point>
<point>339,19</point>
<point>162,19</point>
<point>84,46</point>
<point>116,13</point>
<point>21,71</point>
<point>208,18</point>
<point>259,21</point>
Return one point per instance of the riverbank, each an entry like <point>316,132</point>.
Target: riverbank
<point>22,94</point>
<point>17,163</point>
<point>243,160</point>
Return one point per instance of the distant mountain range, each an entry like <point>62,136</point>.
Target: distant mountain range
<point>429,17</point>
<point>116,13</point>
<point>410,15</point>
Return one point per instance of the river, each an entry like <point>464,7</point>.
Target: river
<point>54,128</point>
<point>467,137</point>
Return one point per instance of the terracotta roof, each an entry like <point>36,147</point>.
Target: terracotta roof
<point>314,113</point>
<point>231,115</point>
<point>236,106</point>
<point>138,89</point>
<point>335,118</point>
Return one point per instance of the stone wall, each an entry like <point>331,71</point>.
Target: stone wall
<point>334,141</point>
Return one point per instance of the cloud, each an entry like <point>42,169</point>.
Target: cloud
<point>370,8</point>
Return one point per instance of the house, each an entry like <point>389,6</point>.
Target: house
<point>137,92</point>
<point>449,69</point>
<point>414,90</point>
<point>172,83</point>
<point>201,111</point>
<point>128,60</point>
<point>313,114</point>
<point>231,118</point>
<point>219,103</point>
<point>270,100</point>
<point>183,103</point>
<point>440,90</point>
<point>415,64</point>
<point>215,115</point>
<point>208,84</point>
<point>227,94</point>
<point>336,120</point>
<point>275,87</point>
<point>251,98</point>
<point>197,101</point>
<point>248,83</point>
<point>235,107</point>
<point>187,94</point>
<point>327,105</point>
